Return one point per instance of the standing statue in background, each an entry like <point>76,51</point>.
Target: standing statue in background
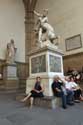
<point>10,52</point>
<point>44,27</point>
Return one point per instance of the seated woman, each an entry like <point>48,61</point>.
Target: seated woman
<point>36,92</point>
<point>77,90</point>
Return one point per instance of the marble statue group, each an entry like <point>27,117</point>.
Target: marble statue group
<point>43,27</point>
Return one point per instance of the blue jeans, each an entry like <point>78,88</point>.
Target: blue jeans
<point>63,97</point>
<point>70,96</point>
<point>66,99</point>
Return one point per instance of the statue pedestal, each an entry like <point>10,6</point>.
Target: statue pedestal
<point>10,76</point>
<point>45,62</point>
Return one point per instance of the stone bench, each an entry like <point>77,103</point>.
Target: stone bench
<point>46,102</point>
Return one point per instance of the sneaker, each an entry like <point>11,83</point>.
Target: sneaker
<point>71,103</point>
<point>64,107</point>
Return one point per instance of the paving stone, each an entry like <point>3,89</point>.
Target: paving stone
<point>5,122</point>
<point>13,112</point>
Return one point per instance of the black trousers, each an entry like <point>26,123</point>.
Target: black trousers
<point>77,93</point>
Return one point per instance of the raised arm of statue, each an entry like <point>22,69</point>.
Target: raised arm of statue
<point>37,14</point>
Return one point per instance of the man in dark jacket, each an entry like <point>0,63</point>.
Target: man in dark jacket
<point>58,88</point>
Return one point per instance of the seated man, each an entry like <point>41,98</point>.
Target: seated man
<point>37,91</point>
<point>60,91</point>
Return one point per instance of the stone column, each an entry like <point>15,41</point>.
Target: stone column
<point>29,6</point>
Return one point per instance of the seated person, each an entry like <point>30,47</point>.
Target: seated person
<point>77,90</point>
<point>58,87</point>
<point>36,92</point>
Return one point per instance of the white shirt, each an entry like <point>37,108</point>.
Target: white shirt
<point>70,85</point>
<point>73,84</point>
<point>67,85</point>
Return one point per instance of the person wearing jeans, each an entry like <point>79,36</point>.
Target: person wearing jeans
<point>59,90</point>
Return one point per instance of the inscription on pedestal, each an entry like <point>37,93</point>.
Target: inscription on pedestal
<point>55,63</point>
<point>38,64</point>
<point>12,71</point>
<point>10,77</point>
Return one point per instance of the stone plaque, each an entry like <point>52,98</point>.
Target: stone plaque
<point>55,63</point>
<point>38,64</point>
<point>73,42</point>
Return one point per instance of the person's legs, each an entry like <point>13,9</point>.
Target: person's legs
<point>63,96</point>
<point>31,102</point>
<point>79,94</point>
<point>75,95</point>
<point>64,101</point>
<point>24,99</point>
<point>70,96</point>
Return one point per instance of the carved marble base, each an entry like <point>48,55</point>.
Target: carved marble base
<point>10,76</point>
<point>45,62</point>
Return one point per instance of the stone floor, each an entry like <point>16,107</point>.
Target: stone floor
<point>15,113</point>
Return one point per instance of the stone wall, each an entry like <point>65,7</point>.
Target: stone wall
<point>12,26</point>
<point>22,70</point>
<point>73,61</point>
<point>22,73</point>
